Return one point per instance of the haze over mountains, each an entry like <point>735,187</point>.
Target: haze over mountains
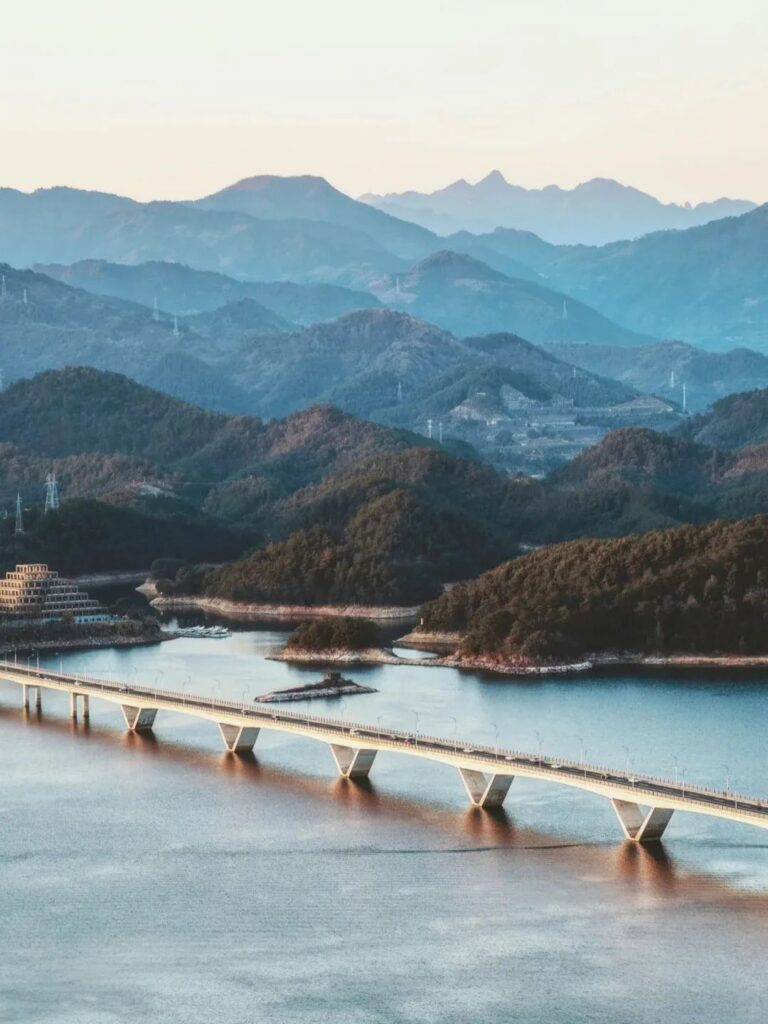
<point>593,213</point>
<point>665,367</point>
<point>243,357</point>
<point>705,285</point>
<point>469,297</point>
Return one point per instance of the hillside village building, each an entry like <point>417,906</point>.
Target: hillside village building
<point>33,594</point>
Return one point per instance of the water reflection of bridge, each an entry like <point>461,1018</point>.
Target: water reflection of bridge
<point>487,772</point>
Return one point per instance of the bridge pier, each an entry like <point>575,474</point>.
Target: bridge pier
<point>485,790</point>
<point>25,696</point>
<point>238,738</point>
<point>139,719</point>
<point>352,762</point>
<point>73,699</point>
<point>639,827</point>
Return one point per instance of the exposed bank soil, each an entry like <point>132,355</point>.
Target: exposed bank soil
<point>523,669</point>
<point>238,610</point>
<point>381,656</point>
<point>421,640</point>
<point>341,656</point>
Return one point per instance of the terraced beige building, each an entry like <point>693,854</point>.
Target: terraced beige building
<point>32,593</point>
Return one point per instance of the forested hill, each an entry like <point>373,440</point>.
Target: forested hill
<point>78,410</point>
<point>695,589</point>
<point>389,530</point>
<point>734,422</point>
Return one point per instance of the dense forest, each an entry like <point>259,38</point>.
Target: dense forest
<point>374,543</point>
<point>89,536</point>
<point>343,633</point>
<point>695,589</point>
<point>736,421</point>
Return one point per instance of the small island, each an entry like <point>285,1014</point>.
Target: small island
<point>333,684</point>
<point>341,640</point>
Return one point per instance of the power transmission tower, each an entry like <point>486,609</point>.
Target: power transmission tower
<point>51,493</point>
<point>175,327</point>
<point>3,289</point>
<point>440,430</point>
<point>429,429</point>
<point>399,391</point>
<point>155,310</point>
<point>19,517</point>
<point>24,297</point>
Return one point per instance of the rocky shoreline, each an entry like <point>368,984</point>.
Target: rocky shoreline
<point>593,665</point>
<point>238,610</point>
<point>369,656</point>
<point>85,643</point>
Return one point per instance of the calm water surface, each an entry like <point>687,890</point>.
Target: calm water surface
<point>159,879</point>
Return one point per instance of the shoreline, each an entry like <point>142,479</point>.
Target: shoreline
<point>83,643</point>
<point>369,656</point>
<point>239,610</point>
<point>594,665</point>
<point>106,579</point>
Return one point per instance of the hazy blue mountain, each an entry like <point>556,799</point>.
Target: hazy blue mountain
<point>707,285</point>
<point>663,368</point>
<point>585,388</point>
<point>45,324</point>
<point>235,319</point>
<point>183,290</point>
<point>467,296</point>
<point>384,364</point>
<point>306,197</point>
<point>595,212</point>
<point>67,225</point>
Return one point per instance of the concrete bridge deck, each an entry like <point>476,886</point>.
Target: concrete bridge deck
<point>487,772</point>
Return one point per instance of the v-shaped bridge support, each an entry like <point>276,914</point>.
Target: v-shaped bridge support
<point>352,762</point>
<point>485,790</point>
<point>139,719</point>
<point>238,739</point>
<point>641,827</point>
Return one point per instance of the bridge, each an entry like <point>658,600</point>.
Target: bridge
<point>643,804</point>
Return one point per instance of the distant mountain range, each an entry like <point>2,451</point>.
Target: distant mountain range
<point>243,358</point>
<point>665,367</point>
<point>707,285</point>
<point>184,290</point>
<point>593,213</point>
<point>63,225</point>
<point>466,296</point>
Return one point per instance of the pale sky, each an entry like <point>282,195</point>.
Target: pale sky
<point>177,98</point>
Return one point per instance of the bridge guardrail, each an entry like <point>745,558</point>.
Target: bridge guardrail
<point>482,752</point>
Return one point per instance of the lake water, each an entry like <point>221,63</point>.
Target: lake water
<point>160,879</point>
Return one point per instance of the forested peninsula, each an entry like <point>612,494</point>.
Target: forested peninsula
<point>687,592</point>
